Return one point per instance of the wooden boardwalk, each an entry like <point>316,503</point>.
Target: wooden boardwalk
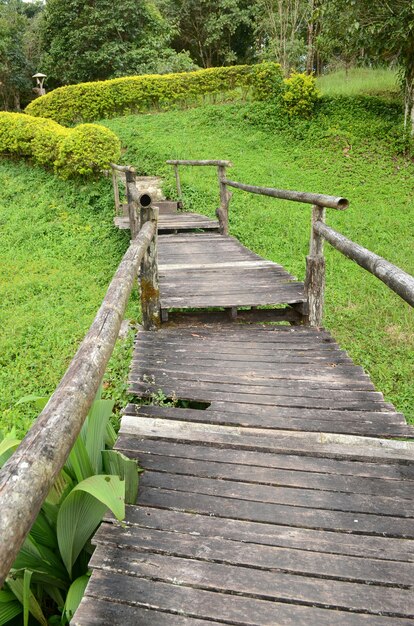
<point>273,491</point>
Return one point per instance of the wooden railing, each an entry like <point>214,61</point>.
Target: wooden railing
<point>28,475</point>
<point>225,196</point>
<point>395,278</point>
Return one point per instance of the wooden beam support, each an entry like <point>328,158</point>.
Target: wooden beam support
<point>222,212</point>
<point>150,289</point>
<point>131,191</point>
<point>178,183</point>
<point>315,271</point>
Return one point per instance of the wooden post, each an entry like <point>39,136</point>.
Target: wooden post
<point>178,182</point>
<point>116,191</point>
<point>150,291</point>
<point>315,271</point>
<point>131,189</point>
<point>225,196</point>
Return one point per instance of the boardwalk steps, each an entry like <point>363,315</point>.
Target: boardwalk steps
<point>277,494</point>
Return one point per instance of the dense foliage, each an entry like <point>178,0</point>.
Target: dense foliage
<point>91,101</point>
<point>85,40</point>
<point>50,572</point>
<point>83,151</point>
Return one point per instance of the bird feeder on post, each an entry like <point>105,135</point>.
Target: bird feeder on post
<point>40,79</point>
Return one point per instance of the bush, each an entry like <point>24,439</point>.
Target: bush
<point>87,102</point>
<point>300,95</point>
<point>83,151</point>
<point>87,150</point>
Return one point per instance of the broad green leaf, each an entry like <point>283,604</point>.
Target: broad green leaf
<point>42,532</point>
<point>7,447</point>
<point>61,487</point>
<point>27,576</point>
<point>75,595</point>
<point>55,594</point>
<point>17,587</point>
<point>39,401</point>
<point>95,436</point>
<point>110,437</point>
<point>83,509</point>
<point>78,463</point>
<point>9,608</point>
<point>44,563</point>
<point>127,469</point>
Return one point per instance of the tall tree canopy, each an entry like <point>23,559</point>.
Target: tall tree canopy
<point>15,67</point>
<point>216,32</point>
<point>88,40</point>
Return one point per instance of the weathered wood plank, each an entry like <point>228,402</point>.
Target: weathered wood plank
<point>280,535</point>
<point>382,470</point>
<point>244,581</point>
<point>231,608</point>
<point>318,519</point>
<point>99,612</point>
<point>311,444</point>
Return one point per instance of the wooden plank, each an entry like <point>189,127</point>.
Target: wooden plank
<point>319,519</point>
<point>274,586</point>
<point>278,535</point>
<point>99,612</point>
<point>386,428</point>
<point>312,444</point>
<point>225,607</point>
<point>254,555</point>
<point>268,476</point>
<point>315,499</point>
<point>385,471</point>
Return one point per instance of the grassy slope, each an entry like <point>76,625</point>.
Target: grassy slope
<point>334,155</point>
<point>358,80</point>
<point>58,253</point>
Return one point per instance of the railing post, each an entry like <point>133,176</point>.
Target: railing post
<point>116,191</point>
<point>225,196</point>
<point>178,182</point>
<point>130,176</point>
<point>315,271</point>
<point>150,291</point>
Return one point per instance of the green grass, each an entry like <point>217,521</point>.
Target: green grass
<point>58,253</point>
<point>347,150</point>
<point>359,80</point>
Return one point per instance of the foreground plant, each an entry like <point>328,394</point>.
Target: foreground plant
<point>50,573</point>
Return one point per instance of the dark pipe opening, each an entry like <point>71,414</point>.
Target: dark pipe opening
<point>145,200</point>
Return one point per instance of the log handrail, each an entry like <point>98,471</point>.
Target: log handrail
<point>394,277</point>
<point>28,475</point>
<point>213,162</point>
<point>332,202</point>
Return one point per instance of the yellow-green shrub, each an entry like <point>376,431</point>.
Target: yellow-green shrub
<point>87,102</point>
<point>300,94</point>
<point>87,150</point>
<point>83,150</point>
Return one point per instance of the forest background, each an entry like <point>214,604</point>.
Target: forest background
<point>75,41</point>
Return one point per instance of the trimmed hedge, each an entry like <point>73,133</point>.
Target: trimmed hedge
<point>81,151</point>
<point>86,102</point>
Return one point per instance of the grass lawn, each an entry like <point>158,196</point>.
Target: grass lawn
<point>359,80</point>
<point>58,253</point>
<point>332,155</point>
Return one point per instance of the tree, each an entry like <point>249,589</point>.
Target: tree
<point>89,40</point>
<point>383,30</point>
<point>216,32</point>
<point>15,69</point>
<point>281,30</point>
